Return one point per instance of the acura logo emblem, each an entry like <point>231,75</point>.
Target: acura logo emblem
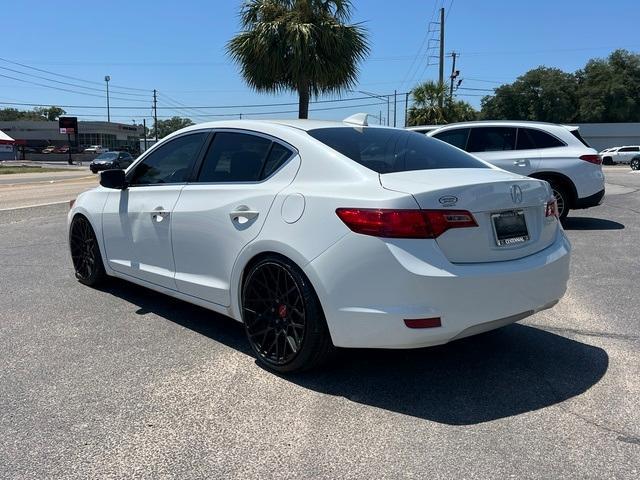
<point>516,194</point>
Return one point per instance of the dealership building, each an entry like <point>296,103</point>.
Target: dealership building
<point>39,134</point>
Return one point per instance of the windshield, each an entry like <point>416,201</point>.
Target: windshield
<point>387,150</point>
<point>107,156</point>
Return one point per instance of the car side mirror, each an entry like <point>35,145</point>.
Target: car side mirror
<point>113,179</point>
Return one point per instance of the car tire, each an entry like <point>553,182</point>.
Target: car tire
<point>85,252</point>
<point>283,318</point>
<point>562,198</point>
<point>607,161</point>
<point>635,164</point>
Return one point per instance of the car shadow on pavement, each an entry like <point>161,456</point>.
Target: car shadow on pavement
<point>589,223</point>
<point>506,372</point>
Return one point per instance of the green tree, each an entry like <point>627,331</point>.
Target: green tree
<point>49,113</point>
<point>609,89</point>
<point>304,46</point>
<point>170,125</point>
<point>38,114</point>
<point>542,94</point>
<point>426,108</point>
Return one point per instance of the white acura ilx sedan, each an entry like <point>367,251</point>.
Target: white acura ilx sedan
<point>318,235</point>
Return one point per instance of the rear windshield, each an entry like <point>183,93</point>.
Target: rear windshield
<point>386,150</point>
<point>576,133</point>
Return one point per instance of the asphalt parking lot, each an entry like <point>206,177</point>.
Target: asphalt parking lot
<point>123,382</point>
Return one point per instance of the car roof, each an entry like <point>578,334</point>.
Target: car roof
<point>299,124</point>
<point>510,123</point>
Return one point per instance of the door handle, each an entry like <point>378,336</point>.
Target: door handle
<point>243,214</point>
<point>159,214</point>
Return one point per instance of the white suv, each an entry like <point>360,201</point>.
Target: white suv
<point>555,153</point>
<point>624,154</point>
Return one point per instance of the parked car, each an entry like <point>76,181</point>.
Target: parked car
<point>109,160</point>
<point>555,153</point>
<point>49,149</point>
<point>294,229</point>
<point>62,149</point>
<point>96,149</point>
<point>614,155</point>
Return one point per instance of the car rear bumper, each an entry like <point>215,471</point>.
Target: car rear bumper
<point>590,201</point>
<point>368,286</point>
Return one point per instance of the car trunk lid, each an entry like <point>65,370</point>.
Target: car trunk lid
<point>499,202</point>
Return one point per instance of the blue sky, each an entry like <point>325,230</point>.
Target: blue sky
<point>178,48</point>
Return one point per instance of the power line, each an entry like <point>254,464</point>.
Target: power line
<point>69,77</point>
<point>223,115</point>
<point>66,89</point>
<point>67,83</point>
<point>203,107</point>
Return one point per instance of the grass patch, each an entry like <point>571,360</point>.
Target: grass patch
<point>31,169</point>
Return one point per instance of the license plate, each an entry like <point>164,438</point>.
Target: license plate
<point>510,227</point>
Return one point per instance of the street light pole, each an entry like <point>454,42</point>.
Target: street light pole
<point>106,79</point>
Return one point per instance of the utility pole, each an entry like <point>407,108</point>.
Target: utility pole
<point>388,110</point>
<point>441,72</point>
<point>406,108</point>
<point>454,74</point>
<point>395,106</point>
<point>144,126</point>
<point>379,119</point>
<point>106,79</point>
<point>155,113</point>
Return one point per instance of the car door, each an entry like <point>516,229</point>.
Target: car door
<point>497,145</point>
<point>136,222</point>
<point>220,213</point>
<point>625,154</point>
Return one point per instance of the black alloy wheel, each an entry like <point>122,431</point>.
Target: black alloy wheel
<point>85,252</point>
<point>635,164</point>
<point>283,318</point>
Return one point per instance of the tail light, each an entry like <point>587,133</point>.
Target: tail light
<point>552,209</point>
<point>404,223</point>
<point>596,159</point>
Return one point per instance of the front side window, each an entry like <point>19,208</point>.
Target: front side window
<point>456,137</point>
<point>491,139</point>
<point>628,149</point>
<point>386,150</point>
<point>171,162</point>
<point>237,157</point>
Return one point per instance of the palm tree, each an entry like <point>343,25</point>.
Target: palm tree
<point>299,45</point>
<point>426,109</point>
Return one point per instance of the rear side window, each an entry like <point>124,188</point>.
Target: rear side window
<point>492,139</point>
<point>629,149</point>
<point>529,138</point>
<point>241,157</point>
<point>386,150</point>
<point>456,137</point>
<point>278,155</point>
<point>576,133</point>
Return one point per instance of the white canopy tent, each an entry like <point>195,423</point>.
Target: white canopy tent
<point>6,147</point>
<point>6,139</point>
